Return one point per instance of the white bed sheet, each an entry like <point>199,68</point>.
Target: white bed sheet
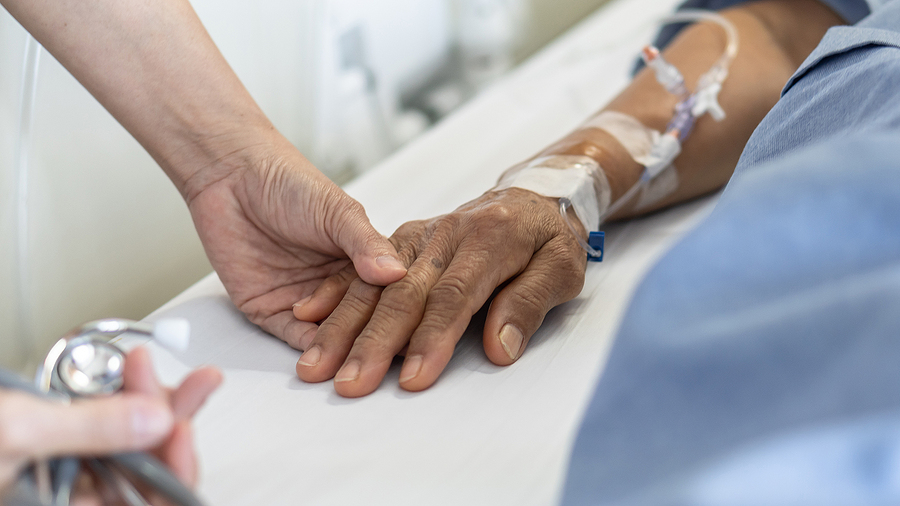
<point>483,434</point>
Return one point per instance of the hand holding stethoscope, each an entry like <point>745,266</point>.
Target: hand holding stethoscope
<point>85,363</point>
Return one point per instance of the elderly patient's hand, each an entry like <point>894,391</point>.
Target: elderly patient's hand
<point>455,263</point>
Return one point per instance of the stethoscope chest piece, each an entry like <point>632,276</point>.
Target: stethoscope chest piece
<point>90,366</point>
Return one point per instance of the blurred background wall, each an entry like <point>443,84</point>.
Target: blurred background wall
<point>347,81</point>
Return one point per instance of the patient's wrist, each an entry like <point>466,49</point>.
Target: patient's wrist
<point>620,168</point>
<point>576,180</point>
<point>590,168</point>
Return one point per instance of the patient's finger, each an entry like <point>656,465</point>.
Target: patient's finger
<point>326,297</point>
<point>284,326</point>
<point>554,275</point>
<point>335,336</point>
<point>469,281</point>
<point>396,316</point>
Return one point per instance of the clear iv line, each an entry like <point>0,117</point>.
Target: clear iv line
<point>22,275</point>
<point>714,77</point>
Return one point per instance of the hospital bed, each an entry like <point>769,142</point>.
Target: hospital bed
<point>482,434</point>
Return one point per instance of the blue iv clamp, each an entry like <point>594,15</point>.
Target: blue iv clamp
<point>594,244</point>
<point>596,240</point>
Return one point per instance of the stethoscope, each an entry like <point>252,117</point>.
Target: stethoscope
<point>86,363</point>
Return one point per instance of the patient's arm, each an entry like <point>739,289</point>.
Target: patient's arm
<point>518,238</point>
<point>775,38</point>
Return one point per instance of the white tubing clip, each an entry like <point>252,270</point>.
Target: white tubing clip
<point>706,100</point>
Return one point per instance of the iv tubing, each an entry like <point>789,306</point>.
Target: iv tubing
<point>731,47</point>
<point>682,122</point>
<point>21,187</point>
<point>564,205</point>
<point>624,199</point>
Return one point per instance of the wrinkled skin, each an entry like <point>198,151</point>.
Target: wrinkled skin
<point>512,240</point>
<point>275,228</point>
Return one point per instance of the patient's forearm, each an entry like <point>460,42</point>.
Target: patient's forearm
<point>775,37</point>
<point>155,68</point>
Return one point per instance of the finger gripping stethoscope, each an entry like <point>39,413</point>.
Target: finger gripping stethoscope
<point>87,363</point>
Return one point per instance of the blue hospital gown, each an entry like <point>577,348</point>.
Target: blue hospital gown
<point>759,360</point>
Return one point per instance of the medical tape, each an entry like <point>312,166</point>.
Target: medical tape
<point>636,138</point>
<point>639,141</point>
<point>576,178</point>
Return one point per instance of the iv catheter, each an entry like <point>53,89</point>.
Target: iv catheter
<point>84,363</point>
<point>689,108</point>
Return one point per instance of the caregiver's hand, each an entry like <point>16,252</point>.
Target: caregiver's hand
<point>184,401</point>
<point>512,237</point>
<point>144,416</point>
<point>274,228</point>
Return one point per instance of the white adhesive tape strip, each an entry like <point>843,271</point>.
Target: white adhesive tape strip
<point>577,178</point>
<point>643,143</point>
<point>637,139</point>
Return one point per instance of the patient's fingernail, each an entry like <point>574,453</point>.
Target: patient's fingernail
<point>511,339</point>
<point>350,372</point>
<point>311,357</point>
<point>411,368</point>
<point>389,262</point>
